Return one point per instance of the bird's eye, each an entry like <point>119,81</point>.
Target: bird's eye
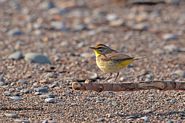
<point>101,49</point>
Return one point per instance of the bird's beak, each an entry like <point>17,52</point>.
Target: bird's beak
<point>92,48</point>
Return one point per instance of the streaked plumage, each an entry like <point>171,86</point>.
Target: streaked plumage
<point>110,60</point>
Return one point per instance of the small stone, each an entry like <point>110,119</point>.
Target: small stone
<point>147,111</point>
<point>47,5</point>
<point>45,121</point>
<point>15,32</point>
<point>50,100</point>
<point>1,78</point>
<point>53,85</point>
<point>51,75</point>
<point>93,76</point>
<point>16,56</point>
<point>109,115</point>
<point>49,121</point>
<point>22,81</point>
<point>179,73</point>
<point>140,26</point>
<point>92,32</point>
<point>25,91</point>
<point>37,58</point>
<point>38,32</point>
<point>86,55</point>
<point>41,89</point>
<point>111,17</point>
<point>149,77</point>
<point>171,48</point>
<point>21,121</point>
<point>100,119</point>
<point>132,117</point>
<point>11,115</point>
<point>158,51</point>
<point>58,25</point>
<point>59,12</point>
<point>168,37</point>
<point>114,103</point>
<point>175,2</point>
<point>18,45</point>
<point>169,121</point>
<point>7,93</point>
<point>80,27</point>
<point>50,95</point>
<point>172,101</point>
<point>116,23</point>
<point>2,83</point>
<point>16,98</point>
<point>145,118</point>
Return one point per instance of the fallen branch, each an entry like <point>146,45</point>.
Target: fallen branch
<point>143,85</point>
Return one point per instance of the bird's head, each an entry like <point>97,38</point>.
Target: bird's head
<point>101,49</point>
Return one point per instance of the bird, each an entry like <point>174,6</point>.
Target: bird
<point>111,61</point>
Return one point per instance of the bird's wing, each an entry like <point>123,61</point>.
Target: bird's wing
<point>118,56</point>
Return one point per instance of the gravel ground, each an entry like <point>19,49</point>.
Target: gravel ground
<point>45,47</point>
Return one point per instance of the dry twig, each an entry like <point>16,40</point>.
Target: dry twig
<point>143,85</point>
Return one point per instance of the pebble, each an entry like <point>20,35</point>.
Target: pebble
<point>116,23</point>
<point>16,98</point>
<point>168,37</point>
<point>26,91</point>
<point>2,83</point>
<point>100,119</point>
<point>111,17</point>
<point>47,5</point>
<point>169,121</point>
<point>50,100</point>
<point>145,118</point>
<point>132,117</point>
<point>149,77</point>
<point>147,111</point>
<point>51,75</point>
<point>1,78</point>
<point>58,25</point>
<point>49,121</point>
<point>37,58</point>
<point>16,56</point>
<point>93,76</point>
<point>158,51</point>
<point>179,73</point>
<point>140,27</point>
<point>22,81</point>
<point>7,93</point>
<point>172,101</point>
<point>15,32</point>
<point>114,103</point>
<point>175,2</point>
<point>11,115</point>
<point>86,55</point>
<point>79,27</point>
<point>41,89</point>
<point>58,11</point>
<point>44,96</point>
<point>18,45</point>
<point>171,48</point>
<point>53,85</point>
<point>21,121</point>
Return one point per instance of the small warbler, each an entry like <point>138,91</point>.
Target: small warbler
<point>110,60</point>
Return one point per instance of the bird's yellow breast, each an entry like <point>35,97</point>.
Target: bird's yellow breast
<point>111,66</point>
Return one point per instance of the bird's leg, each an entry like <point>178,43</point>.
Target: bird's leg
<point>109,76</point>
<point>117,76</point>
